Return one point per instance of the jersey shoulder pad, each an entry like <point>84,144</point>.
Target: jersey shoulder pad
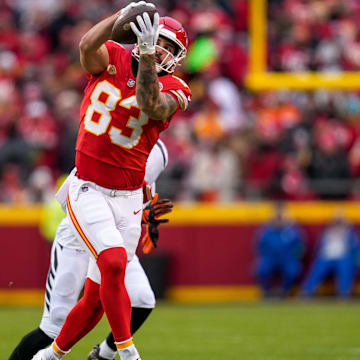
<point>110,44</point>
<point>173,82</point>
<point>116,51</point>
<point>178,88</point>
<point>118,57</point>
<point>181,81</point>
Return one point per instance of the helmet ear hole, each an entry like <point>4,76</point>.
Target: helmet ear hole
<point>177,50</point>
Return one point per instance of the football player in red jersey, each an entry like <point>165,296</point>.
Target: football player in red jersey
<point>130,98</point>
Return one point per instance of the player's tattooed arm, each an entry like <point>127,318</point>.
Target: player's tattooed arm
<point>157,105</point>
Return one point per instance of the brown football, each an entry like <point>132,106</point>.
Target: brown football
<point>121,31</point>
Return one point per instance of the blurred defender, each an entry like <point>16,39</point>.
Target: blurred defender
<point>67,273</point>
<point>130,98</point>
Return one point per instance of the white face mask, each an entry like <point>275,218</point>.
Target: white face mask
<point>169,62</point>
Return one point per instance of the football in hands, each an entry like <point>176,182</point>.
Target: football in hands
<point>121,31</point>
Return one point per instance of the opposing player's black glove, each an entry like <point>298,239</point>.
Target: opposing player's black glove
<point>151,215</point>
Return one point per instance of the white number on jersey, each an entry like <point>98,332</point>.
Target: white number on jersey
<point>104,100</point>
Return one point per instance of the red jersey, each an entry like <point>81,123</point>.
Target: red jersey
<point>115,136</point>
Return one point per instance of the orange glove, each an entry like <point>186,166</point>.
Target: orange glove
<point>151,215</point>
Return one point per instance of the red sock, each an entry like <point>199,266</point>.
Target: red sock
<point>82,318</point>
<point>114,297</point>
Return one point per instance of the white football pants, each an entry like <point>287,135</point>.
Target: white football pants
<point>66,278</point>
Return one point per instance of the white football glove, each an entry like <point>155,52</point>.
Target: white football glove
<point>132,5</point>
<point>148,34</point>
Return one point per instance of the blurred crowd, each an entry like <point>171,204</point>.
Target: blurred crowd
<point>232,144</point>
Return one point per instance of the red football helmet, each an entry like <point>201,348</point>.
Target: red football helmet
<point>171,30</point>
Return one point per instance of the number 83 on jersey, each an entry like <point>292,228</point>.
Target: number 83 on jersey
<point>104,100</point>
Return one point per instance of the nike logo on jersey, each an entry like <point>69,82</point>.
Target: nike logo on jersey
<point>136,212</point>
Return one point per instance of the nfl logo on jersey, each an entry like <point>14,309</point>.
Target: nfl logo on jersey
<point>131,83</point>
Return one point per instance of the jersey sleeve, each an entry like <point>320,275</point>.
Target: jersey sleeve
<point>178,89</point>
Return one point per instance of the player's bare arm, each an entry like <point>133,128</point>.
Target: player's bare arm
<point>157,105</point>
<point>94,56</point>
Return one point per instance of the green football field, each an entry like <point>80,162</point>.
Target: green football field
<point>259,331</point>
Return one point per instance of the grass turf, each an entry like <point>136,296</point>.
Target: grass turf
<point>261,331</point>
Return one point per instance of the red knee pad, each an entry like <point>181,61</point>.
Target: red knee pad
<point>112,262</point>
